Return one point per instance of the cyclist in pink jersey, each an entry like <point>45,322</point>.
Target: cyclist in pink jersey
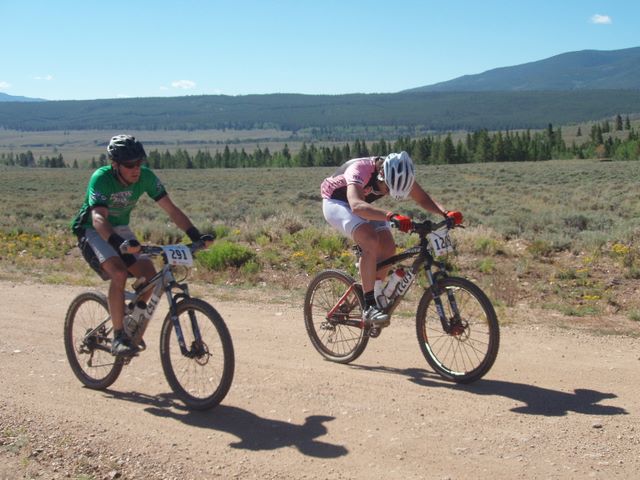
<point>347,198</point>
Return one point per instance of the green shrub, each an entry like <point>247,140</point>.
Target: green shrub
<point>540,248</point>
<point>332,245</point>
<point>225,254</point>
<point>489,246</point>
<point>634,315</point>
<point>221,231</point>
<point>487,265</point>
<point>566,274</point>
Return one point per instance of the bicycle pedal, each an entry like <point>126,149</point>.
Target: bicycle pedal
<point>375,332</point>
<point>126,359</point>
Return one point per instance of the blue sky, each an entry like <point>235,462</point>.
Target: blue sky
<point>88,49</point>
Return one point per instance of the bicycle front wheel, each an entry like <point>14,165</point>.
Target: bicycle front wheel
<point>465,349</point>
<point>87,341</point>
<point>201,375</point>
<point>333,316</point>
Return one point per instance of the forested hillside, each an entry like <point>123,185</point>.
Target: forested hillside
<point>584,70</point>
<point>326,115</point>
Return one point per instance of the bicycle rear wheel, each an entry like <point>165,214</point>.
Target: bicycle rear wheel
<point>333,314</point>
<point>202,377</point>
<point>469,349</point>
<point>87,341</point>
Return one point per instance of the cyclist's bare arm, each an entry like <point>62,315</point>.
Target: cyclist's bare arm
<point>423,199</point>
<point>100,221</point>
<point>356,199</point>
<point>175,213</point>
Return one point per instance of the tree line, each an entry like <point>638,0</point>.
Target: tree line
<point>330,114</point>
<point>479,146</point>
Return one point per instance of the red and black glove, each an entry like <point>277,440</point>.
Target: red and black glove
<point>453,218</point>
<point>403,222</point>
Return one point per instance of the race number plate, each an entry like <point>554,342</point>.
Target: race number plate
<point>440,242</point>
<point>178,255</point>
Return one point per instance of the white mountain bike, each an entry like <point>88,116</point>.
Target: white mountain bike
<point>196,350</point>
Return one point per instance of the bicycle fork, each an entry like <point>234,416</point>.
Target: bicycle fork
<point>196,347</point>
<point>452,326</point>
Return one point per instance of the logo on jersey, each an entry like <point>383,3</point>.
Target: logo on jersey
<point>97,197</point>
<point>120,199</point>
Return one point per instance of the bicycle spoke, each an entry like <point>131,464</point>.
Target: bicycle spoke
<point>467,348</point>
<point>333,314</point>
<point>202,375</point>
<point>87,336</point>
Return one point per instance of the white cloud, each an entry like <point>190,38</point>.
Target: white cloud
<point>4,85</point>
<point>601,19</point>
<point>46,78</point>
<point>183,84</point>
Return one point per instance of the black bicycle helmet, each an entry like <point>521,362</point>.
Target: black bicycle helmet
<point>125,148</point>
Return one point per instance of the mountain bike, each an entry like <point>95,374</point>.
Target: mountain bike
<point>456,324</point>
<point>196,350</point>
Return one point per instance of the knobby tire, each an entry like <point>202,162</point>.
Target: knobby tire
<point>203,380</point>
<point>335,341</point>
<point>469,353</point>
<point>90,359</point>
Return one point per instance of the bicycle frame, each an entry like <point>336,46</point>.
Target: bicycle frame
<point>424,259</point>
<point>162,282</point>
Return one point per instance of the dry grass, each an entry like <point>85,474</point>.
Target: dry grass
<point>559,235</point>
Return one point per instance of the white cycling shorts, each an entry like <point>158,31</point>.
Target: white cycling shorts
<point>340,217</point>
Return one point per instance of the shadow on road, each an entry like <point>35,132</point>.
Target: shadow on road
<point>537,400</point>
<point>254,432</point>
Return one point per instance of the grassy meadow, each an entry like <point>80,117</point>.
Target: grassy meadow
<point>557,235</point>
<point>83,145</point>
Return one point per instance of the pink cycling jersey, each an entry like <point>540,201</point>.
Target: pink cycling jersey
<point>359,171</point>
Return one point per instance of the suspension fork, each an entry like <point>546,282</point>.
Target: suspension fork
<point>447,324</point>
<point>173,312</point>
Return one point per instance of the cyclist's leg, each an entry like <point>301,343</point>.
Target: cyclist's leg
<point>115,268</point>
<point>117,271</point>
<point>364,233</point>
<point>366,237</point>
<point>386,249</point>
<point>339,215</point>
<point>144,266</point>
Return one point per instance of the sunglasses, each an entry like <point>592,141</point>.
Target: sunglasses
<point>132,165</point>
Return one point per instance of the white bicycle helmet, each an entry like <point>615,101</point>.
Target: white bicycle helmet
<point>399,174</point>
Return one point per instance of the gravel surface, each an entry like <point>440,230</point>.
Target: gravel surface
<point>558,403</point>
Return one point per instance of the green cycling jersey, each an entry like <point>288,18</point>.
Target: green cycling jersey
<point>105,190</point>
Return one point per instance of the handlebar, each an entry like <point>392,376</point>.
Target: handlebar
<point>423,228</point>
<point>157,250</point>
<point>426,227</point>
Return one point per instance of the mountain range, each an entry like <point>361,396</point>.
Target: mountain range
<point>568,88</point>
<point>4,97</point>
<point>584,70</point>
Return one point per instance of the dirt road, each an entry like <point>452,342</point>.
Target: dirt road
<point>557,404</point>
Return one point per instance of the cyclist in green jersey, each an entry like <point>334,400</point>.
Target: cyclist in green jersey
<point>102,225</point>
